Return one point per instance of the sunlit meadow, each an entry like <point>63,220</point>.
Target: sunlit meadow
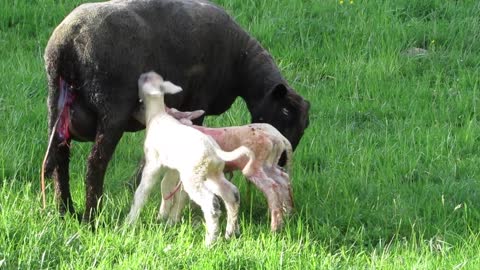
<point>386,176</point>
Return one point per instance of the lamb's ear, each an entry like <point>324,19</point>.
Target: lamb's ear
<point>279,91</point>
<point>170,88</point>
<point>195,114</point>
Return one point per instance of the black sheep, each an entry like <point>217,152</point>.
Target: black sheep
<point>96,55</point>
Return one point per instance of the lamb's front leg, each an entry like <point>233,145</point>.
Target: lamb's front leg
<point>149,178</point>
<point>180,200</point>
<point>173,198</point>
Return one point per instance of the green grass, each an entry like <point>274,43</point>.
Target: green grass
<point>386,176</point>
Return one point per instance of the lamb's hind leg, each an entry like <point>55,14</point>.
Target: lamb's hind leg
<point>195,188</point>
<point>269,188</point>
<point>285,190</point>
<point>231,197</point>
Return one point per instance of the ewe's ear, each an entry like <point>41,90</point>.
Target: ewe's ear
<point>279,91</point>
<point>170,88</point>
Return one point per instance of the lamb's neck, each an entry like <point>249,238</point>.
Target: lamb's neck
<point>154,106</point>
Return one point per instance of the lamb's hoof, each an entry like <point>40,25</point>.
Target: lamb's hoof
<point>229,234</point>
<point>162,217</point>
<point>276,224</point>
<point>210,241</point>
<point>288,209</point>
<point>131,219</point>
<point>276,228</point>
<point>167,221</point>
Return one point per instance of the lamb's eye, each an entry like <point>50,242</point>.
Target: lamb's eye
<point>285,111</point>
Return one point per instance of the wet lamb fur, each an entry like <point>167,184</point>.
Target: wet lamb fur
<point>100,50</point>
<point>267,145</point>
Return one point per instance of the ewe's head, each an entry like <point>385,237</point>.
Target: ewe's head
<point>152,84</point>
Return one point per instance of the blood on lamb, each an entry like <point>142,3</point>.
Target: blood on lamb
<point>267,144</point>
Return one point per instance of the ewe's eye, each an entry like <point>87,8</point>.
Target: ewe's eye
<point>285,111</point>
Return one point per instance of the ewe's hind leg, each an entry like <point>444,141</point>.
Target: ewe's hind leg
<point>106,141</point>
<point>58,156</point>
<point>195,188</point>
<point>61,156</point>
<point>149,178</point>
<point>231,197</point>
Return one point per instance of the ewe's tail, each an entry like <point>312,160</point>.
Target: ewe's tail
<point>236,154</point>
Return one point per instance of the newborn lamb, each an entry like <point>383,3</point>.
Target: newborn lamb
<point>172,147</point>
<point>267,145</point>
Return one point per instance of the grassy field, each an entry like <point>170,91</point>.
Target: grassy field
<point>386,176</point>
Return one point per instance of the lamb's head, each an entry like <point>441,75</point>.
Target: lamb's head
<point>151,84</point>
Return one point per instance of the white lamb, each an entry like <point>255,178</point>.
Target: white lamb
<point>172,147</point>
<point>267,145</point>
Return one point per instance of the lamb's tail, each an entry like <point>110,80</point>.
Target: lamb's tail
<point>289,154</point>
<point>236,154</point>
<point>283,145</point>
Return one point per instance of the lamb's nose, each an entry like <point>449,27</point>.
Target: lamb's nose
<point>143,78</point>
